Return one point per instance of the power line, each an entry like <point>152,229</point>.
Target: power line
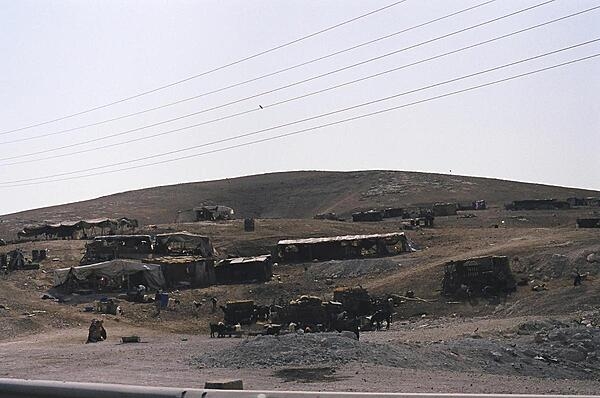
<point>280,87</point>
<point>278,47</point>
<point>64,131</point>
<point>7,183</point>
<point>301,96</point>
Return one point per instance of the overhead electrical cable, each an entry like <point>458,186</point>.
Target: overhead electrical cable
<point>47,150</point>
<point>315,127</point>
<point>64,131</point>
<point>267,106</point>
<point>239,61</point>
<point>8,183</point>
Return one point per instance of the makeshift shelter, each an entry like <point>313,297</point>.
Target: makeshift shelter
<point>186,270</point>
<point>538,204</point>
<point>588,223</point>
<point>110,275</point>
<point>444,209</point>
<point>307,310</point>
<point>392,212</point>
<point>479,205</point>
<point>473,276</point>
<point>79,229</point>
<point>591,201</point>
<point>238,312</point>
<point>371,215</point>
<point>243,269</point>
<point>205,213</point>
<point>105,248</point>
<point>355,300</point>
<point>15,260</point>
<point>343,247</point>
<point>326,216</point>
<point>183,243</point>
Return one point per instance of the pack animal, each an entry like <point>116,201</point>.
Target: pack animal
<point>380,316</point>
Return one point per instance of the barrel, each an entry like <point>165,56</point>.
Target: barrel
<point>164,300</point>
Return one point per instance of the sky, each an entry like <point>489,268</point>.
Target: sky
<point>64,57</point>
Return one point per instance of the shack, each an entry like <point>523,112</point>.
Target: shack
<point>588,223</point>
<point>110,275</point>
<point>371,215</point>
<point>478,276</point>
<point>592,201</point>
<point>205,213</point>
<point>244,269</point>
<point>183,244</point>
<point>15,260</point>
<point>393,212</point>
<point>444,209</point>
<point>326,216</point>
<point>306,310</point>
<point>355,300</point>
<point>538,204</point>
<point>105,248</point>
<point>589,201</point>
<point>241,311</point>
<point>343,247</point>
<point>79,229</point>
<point>186,271</point>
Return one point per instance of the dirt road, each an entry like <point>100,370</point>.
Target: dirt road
<point>164,359</point>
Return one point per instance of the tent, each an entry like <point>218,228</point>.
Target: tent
<point>342,247</point>
<point>183,243</point>
<point>113,270</point>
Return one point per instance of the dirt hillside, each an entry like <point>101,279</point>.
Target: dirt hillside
<point>299,194</point>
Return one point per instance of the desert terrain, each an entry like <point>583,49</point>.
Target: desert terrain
<point>543,341</point>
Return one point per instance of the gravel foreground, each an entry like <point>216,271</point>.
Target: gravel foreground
<point>323,349</point>
<point>552,350</point>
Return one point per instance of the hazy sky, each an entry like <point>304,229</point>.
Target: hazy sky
<point>62,57</point>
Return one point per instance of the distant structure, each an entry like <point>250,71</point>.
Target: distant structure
<point>588,223</point>
<point>393,212</point>
<point>444,209</point>
<point>326,216</point>
<point>79,229</point>
<point>371,215</point>
<point>478,277</point>
<point>138,247</point>
<point>538,204</point>
<point>249,224</point>
<point>343,247</point>
<point>589,201</point>
<point>244,269</point>
<point>205,213</point>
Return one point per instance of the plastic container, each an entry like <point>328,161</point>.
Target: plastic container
<point>164,300</point>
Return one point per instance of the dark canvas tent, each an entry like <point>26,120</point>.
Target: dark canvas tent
<point>79,228</point>
<point>341,247</point>
<point>115,271</point>
<point>183,243</point>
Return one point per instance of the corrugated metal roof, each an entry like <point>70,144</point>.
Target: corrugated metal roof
<point>339,238</point>
<point>242,260</point>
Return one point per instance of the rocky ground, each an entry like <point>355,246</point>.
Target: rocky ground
<point>544,341</point>
<point>477,355</point>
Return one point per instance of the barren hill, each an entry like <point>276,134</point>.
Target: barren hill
<point>299,194</point>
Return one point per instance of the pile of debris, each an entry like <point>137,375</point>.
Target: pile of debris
<point>299,350</point>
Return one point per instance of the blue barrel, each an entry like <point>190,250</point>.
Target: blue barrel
<point>164,300</point>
